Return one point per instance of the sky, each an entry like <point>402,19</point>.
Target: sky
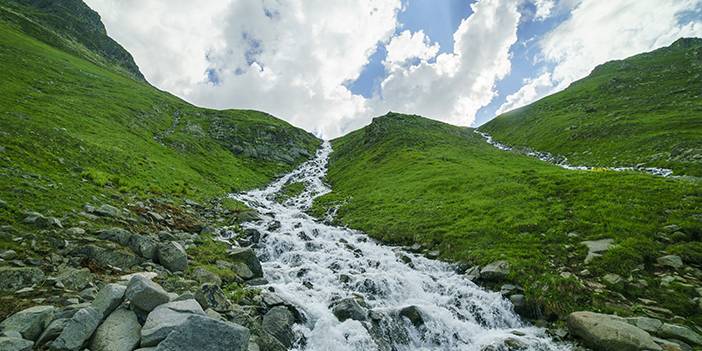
<point>330,66</point>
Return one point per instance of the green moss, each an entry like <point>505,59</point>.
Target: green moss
<point>290,190</point>
<point>690,252</point>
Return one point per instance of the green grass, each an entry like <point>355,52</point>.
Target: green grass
<point>73,131</point>
<point>406,179</point>
<point>646,109</point>
<point>290,190</point>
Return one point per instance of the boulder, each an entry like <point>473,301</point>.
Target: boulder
<point>671,261</point>
<point>75,231</point>
<point>612,279</point>
<point>143,246</point>
<point>609,333</point>
<point>679,332</point>
<point>41,221</point>
<point>29,322</point>
<point>278,322</point>
<point>75,279</point>
<point>145,294</point>
<point>117,235</point>
<point>52,331</point>
<point>349,308</point>
<point>172,256</point>
<point>15,344</point>
<point>109,257</point>
<point>204,276</point>
<point>108,211</point>
<point>495,271</point>
<point>108,298</point>
<point>78,330</point>
<point>473,273</point>
<point>595,248</point>
<point>203,333</point>
<point>211,296</point>
<point>165,318</point>
<point>15,278</point>
<point>119,332</point>
<point>413,314</point>
<point>247,266</point>
<point>650,325</point>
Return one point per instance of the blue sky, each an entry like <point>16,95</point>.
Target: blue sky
<point>331,66</point>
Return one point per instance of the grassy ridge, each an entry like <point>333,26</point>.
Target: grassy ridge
<point>646,109</point>
<point>72,131</point>
<point>406,179</point>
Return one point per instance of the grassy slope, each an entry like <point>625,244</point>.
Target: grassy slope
<point>72,130</point>
<point>406,179</point>
<point>646,109</point>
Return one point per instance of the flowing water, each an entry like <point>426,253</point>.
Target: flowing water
<point>312,265</point>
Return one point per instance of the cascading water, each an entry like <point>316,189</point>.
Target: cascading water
<point>314,265</point>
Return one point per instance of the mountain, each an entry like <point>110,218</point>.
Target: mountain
<point>78,122</point>
<point>410,180</point>
<point>646,109</point>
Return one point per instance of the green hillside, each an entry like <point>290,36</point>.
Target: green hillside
<point>646,109</point>
<point>406,179</point>
<point>77,122</point>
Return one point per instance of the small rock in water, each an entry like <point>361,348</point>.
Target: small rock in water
<point>414,315</point>
<point>349,308</point>
<point>278,322</point>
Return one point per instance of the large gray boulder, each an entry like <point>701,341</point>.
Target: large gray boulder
<point>145,294</point>
<point>52,331</point>
<point>30,322</point>
<point>119,332</point>
<point>203,333</point>
<point>414,315</point>
<point>278,323</point>
<point>172,256</point>
<point>75,279</point>
<point>41,221</point>
<point>681,333</point>
<point>118,235</point>
<point>108,298</point>
<point>122,259</point>
<point>247,266</point>
<point>144,246</point>
<point>15,344</point>
<point>349,308</point>
<point>495,271</point>
<point>595,248</point>
<point>108,211</point>
<point>609,333</point>
<point>15,278</point>
<point>211,296</point>
<point>671,261</point>
<point>165,318</point>
<point>77,331</point>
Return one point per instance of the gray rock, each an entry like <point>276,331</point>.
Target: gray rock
<point>117,235</point>
<point>8,255</point>
<point>109,258</point>
<point>473,273</point>
<point>680,332</point>
<point>671,261</point>
<point>413,314</point>
<point>278,322</point>
<point>75,231</point>
<point>41,221</point>
<point>349,308</point>
<point>612,279</point>
<point>248,266</point>
<point>119,332</point>
<point>204,276</point>
<point>108,298</point>
<point>211,296</point>
<point>29,322</point>
<point>15,344</point>
<point>202,333</point>
<point>165,318</point>
<point>650,325</point>
<point>495,271</point>
<point>15,278</point>
<point>77,331</point>
<point>143,246</point>
<point>172,256</point>
<point>609,333</point>
<point>52,331</point>
<point>108,211</point>
<point>595,248</point>
<point>145,294</point>
<point>75,279</point>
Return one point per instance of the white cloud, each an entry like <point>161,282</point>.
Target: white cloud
<point>599,31</point>
<point>531,89</point>
<point>453,88</point>
<point>543,9</point>
<point>408,46</point>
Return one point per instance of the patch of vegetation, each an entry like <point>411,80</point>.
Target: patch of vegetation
<point>646,109</point>
<point>290,190</point>
<point>406,179</point>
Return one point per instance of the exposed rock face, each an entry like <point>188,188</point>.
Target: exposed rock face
<point>15,278</point>
<point>172,256</point>
<point>278,322</point>
<point>609,333</point>
<point>119,332</point>
<point>145,294</point>
<point>165,318</point>
<point>247,264</point>
<point>30,322</point>
<point>495,271</point>
<point>78,330</point>
<point>349,308</point>
<point>203,333</point>
<point>595,248</point>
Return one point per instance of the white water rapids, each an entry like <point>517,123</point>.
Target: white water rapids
<point>305,260</point>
